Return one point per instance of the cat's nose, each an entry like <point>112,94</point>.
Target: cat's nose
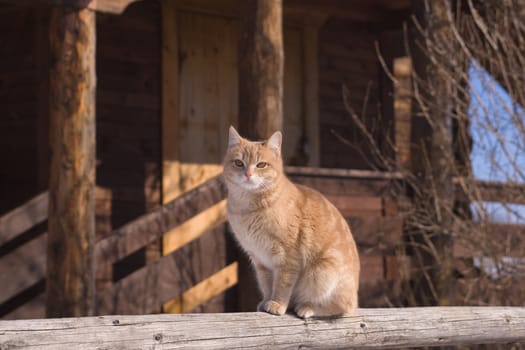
<point>248,175</point>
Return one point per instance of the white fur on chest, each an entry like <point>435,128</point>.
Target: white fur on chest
<point>252,238</point>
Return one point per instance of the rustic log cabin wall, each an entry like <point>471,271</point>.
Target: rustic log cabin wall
<point>347,58</point>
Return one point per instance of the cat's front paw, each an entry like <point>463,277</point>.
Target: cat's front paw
<point>304,311</point>
<point>272,307</point>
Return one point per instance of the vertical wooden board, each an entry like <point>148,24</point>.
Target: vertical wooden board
<point>208,86</point>
<point>293,116</point>
<point>311,91</point>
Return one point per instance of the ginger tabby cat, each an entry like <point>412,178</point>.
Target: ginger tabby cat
<point>300,246</point>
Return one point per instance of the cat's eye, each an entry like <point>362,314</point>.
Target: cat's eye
<point>238,163</point>
<point>262,165</point>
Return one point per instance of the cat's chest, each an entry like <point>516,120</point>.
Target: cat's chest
<point>257,235</point>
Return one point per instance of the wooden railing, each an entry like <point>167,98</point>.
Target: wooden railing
<point>372,214</point>
<point>366,329</point>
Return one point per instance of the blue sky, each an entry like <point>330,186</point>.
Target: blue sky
<point>498,152</point>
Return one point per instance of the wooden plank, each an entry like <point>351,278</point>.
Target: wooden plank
<point>209,99</point>
<point>153,225</point>
<point>108,6</point>
<point>194,227</point>
<point>357,205</point>
<point>365,329</point>
<point>24,217</point>
<point>147,289</point>
<point>23,267</point>
<point>339,186</point>
<point>261,65</point>
<point>71,234</point>
<point>204,291</point>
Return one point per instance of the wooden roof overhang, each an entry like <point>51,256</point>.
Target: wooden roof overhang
<point>358,10</point>
<point>108,6</point>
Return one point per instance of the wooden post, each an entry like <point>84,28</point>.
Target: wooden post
<point>261,68</point>
<point>71,225</point>
<point>261,74</point>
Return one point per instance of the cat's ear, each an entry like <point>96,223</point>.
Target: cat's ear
<point>234,137</point>
<point>275,141</point>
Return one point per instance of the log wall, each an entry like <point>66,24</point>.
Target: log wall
<point>347,58</point>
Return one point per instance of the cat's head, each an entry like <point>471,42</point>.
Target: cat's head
<point>253,166</point>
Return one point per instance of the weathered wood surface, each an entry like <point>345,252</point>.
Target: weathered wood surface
<point>22,268</point>
<point>153,225</point>
<point>71,234</point>
<point>22,218</point>
<point>367,329</point>
<point>146,289</point>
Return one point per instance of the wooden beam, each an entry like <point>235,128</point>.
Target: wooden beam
<point>194,227</point>
<point>366,329</point>
<point>22,218</point>
<point>150,226</point>
<point>22,268</point>
<point>71,223</point>
<point>261,64</point>
<point>204,291</point>
<point>108,6</point>
<point>148,288</point>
